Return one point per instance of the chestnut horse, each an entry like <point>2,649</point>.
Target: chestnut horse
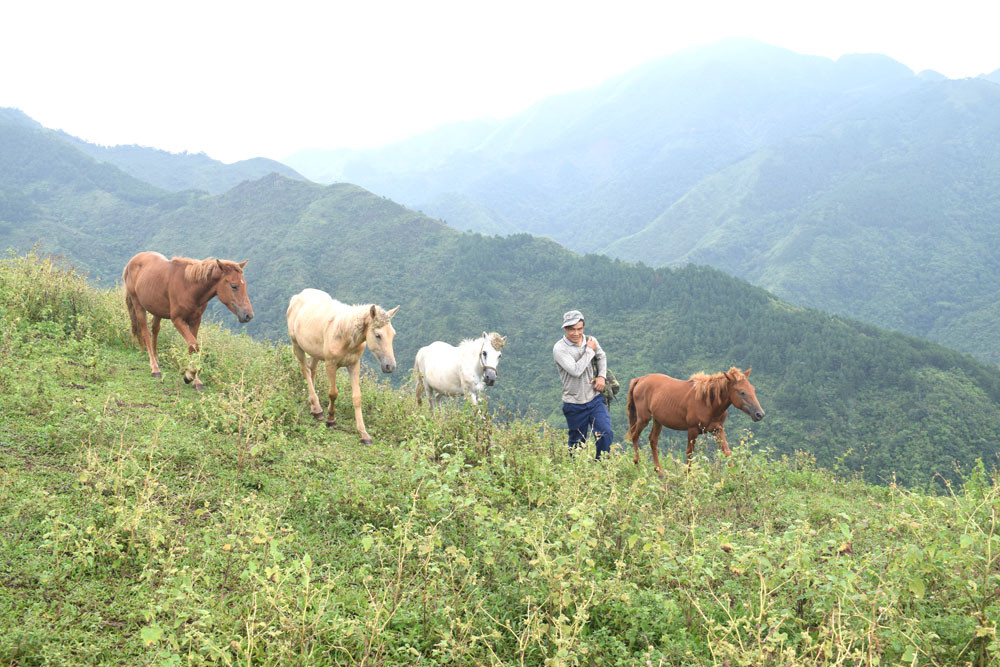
<point>328,330</point>
<point>179,289</point>
<point>697,405</point>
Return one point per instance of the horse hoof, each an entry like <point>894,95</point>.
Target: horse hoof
<point>199,387</point>
<point>157,375</point>
<point>316,415</point>
<point>331,424</point>
<point>188,380</point>
<point>366,441</point>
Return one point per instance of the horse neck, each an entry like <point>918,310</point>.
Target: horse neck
<point>201,291</point>
<point>355,316</point>
<point>718,397</point>
<point>473,348</point>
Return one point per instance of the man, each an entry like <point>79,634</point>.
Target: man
<point>583,403</point>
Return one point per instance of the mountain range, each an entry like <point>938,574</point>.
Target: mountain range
<point>855,186</point>
<point>886,405</point>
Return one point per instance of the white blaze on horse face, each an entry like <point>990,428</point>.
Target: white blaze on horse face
<point>489,358</point>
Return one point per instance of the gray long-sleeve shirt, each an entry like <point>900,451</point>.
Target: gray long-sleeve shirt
<point>576,371</point>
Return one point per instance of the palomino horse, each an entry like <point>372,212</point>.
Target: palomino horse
<point>328,330</point>
<point>466,370</point>
<point>697,405</point>
<point>179,289</point>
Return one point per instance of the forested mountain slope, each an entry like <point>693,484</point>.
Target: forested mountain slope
<point>892,215</point>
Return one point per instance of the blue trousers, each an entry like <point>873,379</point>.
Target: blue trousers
<point>582,417</point>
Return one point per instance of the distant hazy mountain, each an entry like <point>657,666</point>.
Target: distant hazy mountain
<point>170,171</point>
<point>183,171</point>
<point>589,167</point>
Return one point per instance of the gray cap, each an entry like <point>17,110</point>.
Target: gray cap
<point>572,317</point>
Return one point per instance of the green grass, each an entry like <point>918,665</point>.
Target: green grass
<point>144,523</point>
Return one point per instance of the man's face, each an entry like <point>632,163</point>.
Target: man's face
<point>574,333</point>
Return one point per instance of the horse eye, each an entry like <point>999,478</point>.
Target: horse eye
<point>378,335</point>
<point>235,287</point>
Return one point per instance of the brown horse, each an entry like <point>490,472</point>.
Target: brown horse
<point>179,289</point>
<point>697,405</point>
<point>330,331</point>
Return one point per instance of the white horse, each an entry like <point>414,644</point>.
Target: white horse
<point>466,370</point>
<point>328,330</point>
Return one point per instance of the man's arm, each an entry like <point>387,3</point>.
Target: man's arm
<point>564,359</point>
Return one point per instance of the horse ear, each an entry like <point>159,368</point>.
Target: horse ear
<point>372,313</point>
<point>485,335</point>
<point>244,263</point>
<point>392,312</point>
<point>747,371</point>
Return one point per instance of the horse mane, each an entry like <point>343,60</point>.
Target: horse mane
<point>712,388</point>
<point>350,325</point>
<point>199,270</point>
<point>496,340</point>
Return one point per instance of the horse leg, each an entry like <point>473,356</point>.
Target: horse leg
<point>654,446</point>
<point>308,372</point>
<point>147,342</point>
<point>185,329</point>
<point>331,376</point>
<point>636,431</point>
<point>720,437</point>
<point>195,362</point>
<point>693,434</point>
<point>154,355</point>
<point>359,422</point>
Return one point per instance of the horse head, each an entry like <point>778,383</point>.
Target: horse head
<point>490,356</point>
<point>742,394</point>
<point>379,334</point>
<point>231,289</point>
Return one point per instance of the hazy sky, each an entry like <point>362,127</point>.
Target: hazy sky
<point>244,79</point>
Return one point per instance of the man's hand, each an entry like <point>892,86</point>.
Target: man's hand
<point>592,344</point>
<point>599,384</point>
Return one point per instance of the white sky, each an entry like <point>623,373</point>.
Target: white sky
<point>243,79</point>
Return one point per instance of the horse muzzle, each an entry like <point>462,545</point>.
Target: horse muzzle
<point>489,377</point>
<point>388,366</point>
<point>245,317</point>
<point>756,415</point>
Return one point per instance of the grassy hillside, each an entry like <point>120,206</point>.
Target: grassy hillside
<point>142,522</point>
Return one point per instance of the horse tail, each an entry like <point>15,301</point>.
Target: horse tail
<point>420,384</point>
<point>131,315</point>
<point>632,418</point>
